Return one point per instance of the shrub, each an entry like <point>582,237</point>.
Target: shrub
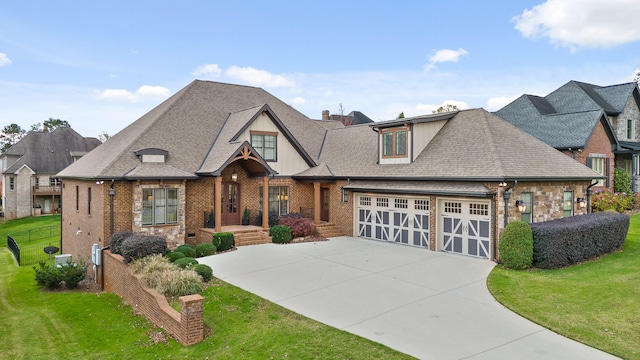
<point>175,255</point>
<point>299,225</point>
<point>607,200</point>
<point>179,282</point>
<point>138,246</point>
<point>117,239</point>
<point>185,262</point>
<point>516,246</point>
<point>151,268</point>
<point>568,241</point>
<point>621,181</point>
<point>48,275</point>
<point>187,250</point>
<point>223,241</point>
<point>205,271</point>
<point>72,273</point>
<point>281,234</point>
<point>205,249</point>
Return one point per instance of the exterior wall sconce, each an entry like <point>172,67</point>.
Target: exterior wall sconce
<point>521,205</point>
<point>582,202</point>
<point>234,176</point>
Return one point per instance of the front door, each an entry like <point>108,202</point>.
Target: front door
<point>324,204</point>
<point>230,203</point>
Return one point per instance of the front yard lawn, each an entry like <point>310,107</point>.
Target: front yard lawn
<point>596,302</point>
<point>37,324</point>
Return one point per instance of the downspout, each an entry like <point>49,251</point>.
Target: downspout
<point>112,193</point>
<point>494,226</point>
<point>506,195</point>
<point>589,193</point>
<point>61,217</point>
<point>102,266</point>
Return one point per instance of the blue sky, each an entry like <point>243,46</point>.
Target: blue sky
<point>102,65</point>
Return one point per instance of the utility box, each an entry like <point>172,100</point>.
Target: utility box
<point>95,255</point>
<point>62,259</point>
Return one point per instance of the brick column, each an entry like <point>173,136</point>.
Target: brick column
<point>265,202</point>
<point>191,318</point>
<point>217,206</point>
<point>316,202</point>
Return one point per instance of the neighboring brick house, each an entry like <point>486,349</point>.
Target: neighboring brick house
<point>441,182</point>
<point>29,168</point>
<point>597,125</point>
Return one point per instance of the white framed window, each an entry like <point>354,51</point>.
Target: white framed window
<point>421,204</point>
<point>598,165</point>
<point>631,130</point>
<point>159,206</point>
<point>365,200</point>
<point>527,199</point>
<point>265,145</point>
<point>401,203</point>
<point>382,202</point>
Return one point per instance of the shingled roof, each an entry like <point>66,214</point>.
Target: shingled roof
<point>186,125</point>
<point>49,152</point>
<point>566,118</point>
<point>473,145</point>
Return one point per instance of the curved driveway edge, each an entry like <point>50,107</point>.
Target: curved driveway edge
<point>430,305</point>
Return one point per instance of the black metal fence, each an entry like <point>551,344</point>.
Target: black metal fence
<point>28,246</point>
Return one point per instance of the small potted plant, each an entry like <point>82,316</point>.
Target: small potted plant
<point>245,216</point>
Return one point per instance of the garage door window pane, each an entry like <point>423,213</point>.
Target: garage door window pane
<point>365,201</point>
<point>401,203</point>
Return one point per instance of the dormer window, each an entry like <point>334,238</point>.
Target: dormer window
<point>265,144</point>
<point>152,155</point>
<point>394,142</point>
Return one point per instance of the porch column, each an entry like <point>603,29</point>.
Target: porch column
<point>316,202</point>
<point>265,202</point>
<point>217,205</point>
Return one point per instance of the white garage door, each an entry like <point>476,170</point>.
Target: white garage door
<point>403,220</point>
<point>465,227</point>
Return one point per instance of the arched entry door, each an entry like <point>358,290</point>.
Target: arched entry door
<point>230,203</point>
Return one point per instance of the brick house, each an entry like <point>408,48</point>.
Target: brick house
<point>444,182</point>
<point>30,186</point>
<point>596,125</point>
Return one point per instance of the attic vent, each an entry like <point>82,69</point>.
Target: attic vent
<point>152,155</point>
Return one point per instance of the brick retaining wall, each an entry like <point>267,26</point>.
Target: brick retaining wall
<point>186,326</point>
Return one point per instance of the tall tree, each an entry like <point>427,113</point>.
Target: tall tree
<point>445,108</point>
<point>401,115</point>
<point>52,124</point>
<point>636,76</point>
<point>11,134</point>
<point>104,136</point>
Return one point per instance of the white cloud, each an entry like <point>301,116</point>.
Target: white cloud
<point>445,55</point>
<point>143,93</point>
<point>578,24</point>
<point>212,70</point>
<point>498,102</point>
<point>256,77</point>
<point>4,60</point>
<point>297,100</point>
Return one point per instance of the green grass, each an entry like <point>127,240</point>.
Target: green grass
<point>596,302</point>
<point>20,226</point>
<point>38,324</point>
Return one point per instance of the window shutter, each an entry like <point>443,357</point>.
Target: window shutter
<point>589,162</point>
<point>606,170</point>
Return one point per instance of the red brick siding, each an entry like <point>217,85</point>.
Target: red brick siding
<point>187,326</point>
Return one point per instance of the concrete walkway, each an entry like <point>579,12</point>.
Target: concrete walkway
<point>430,305</point>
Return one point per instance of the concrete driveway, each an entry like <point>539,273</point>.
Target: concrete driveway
<point>430,305</point>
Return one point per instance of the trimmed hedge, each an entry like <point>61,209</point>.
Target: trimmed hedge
<point>138,246</point>
<point>563,242</point>
<point>205,271</point>
<point>223,241</point>
<point>300,226</point>
<point>185,262</point>
<point>187,250</point>
<point>281,234</point>
<point>175,255</point>
<point>516,246</point>
<point>117,239</point>
<point>205,249</point>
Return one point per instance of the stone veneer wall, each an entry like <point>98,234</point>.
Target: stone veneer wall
<point>175,233</point>
<point>187,326</point>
